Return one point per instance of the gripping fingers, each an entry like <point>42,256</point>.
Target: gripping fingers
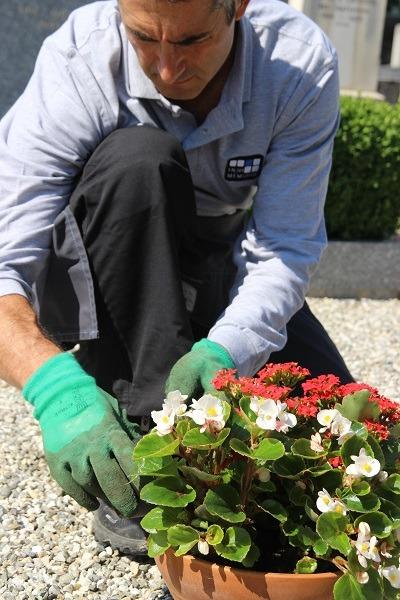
<point>63,475</point>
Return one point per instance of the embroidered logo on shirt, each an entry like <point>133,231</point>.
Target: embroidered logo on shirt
<point>243,167</point>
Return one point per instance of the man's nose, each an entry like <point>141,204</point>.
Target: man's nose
<point>171,65</point>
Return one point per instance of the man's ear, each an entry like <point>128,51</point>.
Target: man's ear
<point>240,9</point>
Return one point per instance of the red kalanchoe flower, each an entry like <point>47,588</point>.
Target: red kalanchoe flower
<point>377,430</point>
<point>224,378</point>
<point>288,373</point>
<point>351,388</point>
<point>306,410</point>
<point>335,462</point>
<point>250,386</point>
<point>325,386</point>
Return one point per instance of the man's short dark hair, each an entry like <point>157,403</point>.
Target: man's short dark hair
<point>229,7</point>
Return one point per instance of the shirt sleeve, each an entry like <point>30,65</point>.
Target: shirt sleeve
<point>45,139</point>
<point>285,236</point>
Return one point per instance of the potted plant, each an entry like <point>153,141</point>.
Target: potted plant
<point>281,485</point>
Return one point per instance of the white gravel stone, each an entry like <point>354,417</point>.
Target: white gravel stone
<point>47,550</point>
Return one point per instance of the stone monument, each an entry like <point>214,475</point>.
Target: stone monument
<point>356,29</point>
<point>23,26</point>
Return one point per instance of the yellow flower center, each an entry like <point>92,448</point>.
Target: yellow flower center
<point>364,547</point>
<point>212,412</point>
<point>367,468</point>
<point>326,500</point>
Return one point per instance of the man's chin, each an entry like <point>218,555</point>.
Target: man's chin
<point>181,91</point>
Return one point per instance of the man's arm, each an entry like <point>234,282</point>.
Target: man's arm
<point>23,347</point>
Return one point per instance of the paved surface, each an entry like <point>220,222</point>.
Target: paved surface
<point>47,551</point>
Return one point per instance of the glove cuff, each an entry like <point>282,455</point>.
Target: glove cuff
<point>217,352</point>
<point>50,380</point>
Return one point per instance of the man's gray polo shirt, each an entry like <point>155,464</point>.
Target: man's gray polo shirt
<point>267,144</point>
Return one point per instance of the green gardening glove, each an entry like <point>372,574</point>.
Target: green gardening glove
<point>87,440</point>
<point>194,372</point>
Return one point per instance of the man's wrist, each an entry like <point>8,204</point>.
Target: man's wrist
<point>52,379</point>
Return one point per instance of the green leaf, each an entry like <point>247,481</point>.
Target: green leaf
<point>157,544</point>
<point>154,445</point>
<point>306,565</point>
<point>184,548</point>
<point>330,480</point>
<point>290,528</point>
<point>297,496</point>
<point>359,429</point>
<point>179,535</point>
<point>214,535</point>
<point>161,518</point>
<point>198,474</point>
<point>318,471</point>
<point>206,440</point>
<point>288,466</point>
<point>168,491</point>
<point>240,447</point>
<point>395,431</point>
<point>320,547</point>
<point>353,405</point>
<point>380,524</point>
<point>251,557</point>
<point>390,509</point>
<point>373,590</point>
<point>360,488</point>
<point>352,447</point>
<point>392,483</point>
<point>264,486</point>
<point>302,447</point>
<point>269,449</point>
<point>183,426</point>
<point>245,406</point>
<point>156,466</point>
<point>235,545</point>
<point>223,502</point>
<point>362,504</point>
<point>348,588</point>
<point>331,526</point>
<point>376,449</point>
<point>199,523</point>
<point>275,509</point>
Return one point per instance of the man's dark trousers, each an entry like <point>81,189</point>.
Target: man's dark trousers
<point>161,274</point>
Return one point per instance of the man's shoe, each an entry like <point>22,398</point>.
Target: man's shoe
<point>120,533</point>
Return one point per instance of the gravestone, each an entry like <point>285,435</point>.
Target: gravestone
<point>23,26</point>
<point>355,28</point>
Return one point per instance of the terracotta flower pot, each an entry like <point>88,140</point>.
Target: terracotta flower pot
<point>190,578</point>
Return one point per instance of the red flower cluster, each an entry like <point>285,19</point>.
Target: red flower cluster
<point>283,373</point>
<point>277,381</point>
<point>324,386</point>
<point>335,462</point>
<point>377,429</point>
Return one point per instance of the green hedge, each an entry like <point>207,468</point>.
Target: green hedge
<point>363,200</point>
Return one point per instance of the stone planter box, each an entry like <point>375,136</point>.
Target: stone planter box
<point>358,270</point>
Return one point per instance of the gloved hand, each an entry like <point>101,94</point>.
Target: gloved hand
<point>193,373</point>
<point>87,439</point>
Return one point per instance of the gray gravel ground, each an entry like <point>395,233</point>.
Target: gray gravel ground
<point>47,551</point>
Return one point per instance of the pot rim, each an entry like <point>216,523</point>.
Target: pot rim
<point>271,575</point>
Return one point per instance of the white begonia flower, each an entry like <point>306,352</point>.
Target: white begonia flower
<point>284,419</point>
<point>208,412</point>
<point>382,476</point>
<point>203,547</point>
<point>267,415</point>
<point>175,403</point>
<point>263,474</point>
<point>340,425</point>
<point>392,573</point>
<point>164,421</point>
<point>362,577</point>
<point>366,545</point>
<point>256,403</point>
<point>325,503</point>
<point>325,418</point>
<point>364,465</point>
<point>316,443</point>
